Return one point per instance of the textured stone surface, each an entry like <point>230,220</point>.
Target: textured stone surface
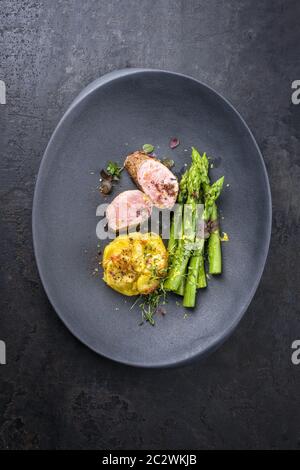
<point>55,393</point>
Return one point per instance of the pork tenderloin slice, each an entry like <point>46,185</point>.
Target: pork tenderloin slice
<point>128,209</point>
<point>134,161</point>
<point>158,182</point>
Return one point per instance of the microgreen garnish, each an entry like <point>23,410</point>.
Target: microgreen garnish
<point>148,148</point>
<point>114,170</point>
<point>151,304</point>
<point>112,173</point>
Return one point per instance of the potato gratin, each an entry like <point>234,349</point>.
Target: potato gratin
<point>134,264</point>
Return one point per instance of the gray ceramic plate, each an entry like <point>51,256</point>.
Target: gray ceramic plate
<point>112,117</point>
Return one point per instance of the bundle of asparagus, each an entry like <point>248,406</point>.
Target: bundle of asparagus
<point>186,244</point>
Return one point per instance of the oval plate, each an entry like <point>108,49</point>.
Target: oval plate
<point>112,117</point>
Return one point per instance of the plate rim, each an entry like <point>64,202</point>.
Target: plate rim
<point>84,93</point>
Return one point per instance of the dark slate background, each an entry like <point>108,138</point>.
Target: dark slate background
<point>55,393</point>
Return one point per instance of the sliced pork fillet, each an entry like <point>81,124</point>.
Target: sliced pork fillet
<point>159,183</point>
<point>134,161</point>
<point>128,209</point>
<point>153,178</point>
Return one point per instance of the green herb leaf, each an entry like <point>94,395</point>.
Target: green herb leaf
<point>151,302</point>
<point>114,169</point>
<point>148,148</point>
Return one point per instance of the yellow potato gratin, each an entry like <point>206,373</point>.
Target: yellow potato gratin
<point>134,264</point>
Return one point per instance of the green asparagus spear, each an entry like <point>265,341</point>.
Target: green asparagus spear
<point>172,243</point>
<point>214,245</point>
<point>183,188</point>
<point>184,248</point>
<point>201,282</point>
<point>180,290</point>
<point>189,297</point>
<point>176,224</point>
